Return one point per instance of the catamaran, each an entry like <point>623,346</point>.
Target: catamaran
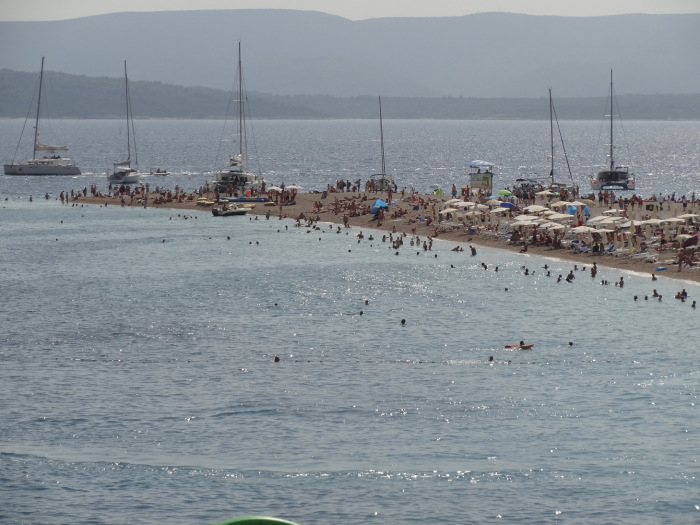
<point>615,176</point>
<point>235,173</point>
<point>50,163</point>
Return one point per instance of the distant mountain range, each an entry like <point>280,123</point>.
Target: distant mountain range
<point>73,96</point>
<point>289,53</point>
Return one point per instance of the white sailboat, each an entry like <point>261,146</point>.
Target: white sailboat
<point>123,172</point>
<point>235,174</point>
<point>50,163</point>
<point>615,176</point>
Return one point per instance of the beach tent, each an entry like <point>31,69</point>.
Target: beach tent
<point>378,204</point>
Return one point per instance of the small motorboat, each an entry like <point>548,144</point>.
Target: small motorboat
<point>228,210</point>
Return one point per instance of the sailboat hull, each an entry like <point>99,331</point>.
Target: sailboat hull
<point>42,167</point>
<point>609,179</point>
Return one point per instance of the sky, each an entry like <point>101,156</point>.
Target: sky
<point>34,10</point>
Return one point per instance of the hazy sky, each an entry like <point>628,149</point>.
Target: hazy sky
<point>353,9</point>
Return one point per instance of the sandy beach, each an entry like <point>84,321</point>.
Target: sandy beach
<point>407,216</point>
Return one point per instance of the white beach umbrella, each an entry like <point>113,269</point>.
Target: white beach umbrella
<point>452,201</point>
<point>583,229</point>
<point>612,211</point>
<point>535,208</point>
<point>274,188</point>
<point>560,217</point>
<point>448,210</point>
<point>559,204</point>
<point>597,219</point>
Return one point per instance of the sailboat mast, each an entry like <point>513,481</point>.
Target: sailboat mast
<point>551,135</point>
<point>381,137</point>
<point>240,102</point>
<point>38,105</point>
<point>128,131</point>
<point>612,162</point>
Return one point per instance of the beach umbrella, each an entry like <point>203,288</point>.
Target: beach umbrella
<point>464,204</point>
<point>508,205</point>
<point>499,210</point>
<point>688,216</point>
<point>577,203</point>
<point>583,229</point>
<point>612,211</point>
<point>543,193</point>
<point>292,187</point>
<point>559,204</point>
<point>560,217</point>
<point>453,201</point>
<point>526,217</point>
<point>274,188</point>
<point>447,210</point>
<point>597,219</point>
<point>507,193</point>
<point>556,226</point>
<point>535,208</point>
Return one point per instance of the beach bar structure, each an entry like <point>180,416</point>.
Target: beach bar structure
<point>481,175</point>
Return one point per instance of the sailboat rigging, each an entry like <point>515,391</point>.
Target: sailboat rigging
<point>614,176</point>
<point>123,172</point>
<point>53,164</point>
<point>381,180</point>
<point>234,177</point>
<point>552,118</point>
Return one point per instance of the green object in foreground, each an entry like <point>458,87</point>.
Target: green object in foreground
<point>255,520</point>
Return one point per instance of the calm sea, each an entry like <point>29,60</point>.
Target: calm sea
<point>138,381</point>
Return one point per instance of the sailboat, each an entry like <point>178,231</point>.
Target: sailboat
<point>235,174</point>
<point>615,176</point>
<point>382,180</point>
<point>50,163</point>
<point>552,117</point>
<point>123,172</point>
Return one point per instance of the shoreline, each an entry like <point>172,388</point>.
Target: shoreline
<point>401,219</point>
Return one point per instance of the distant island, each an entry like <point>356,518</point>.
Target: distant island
<point>77,96</point>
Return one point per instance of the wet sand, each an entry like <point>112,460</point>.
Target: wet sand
<point>401,218</point>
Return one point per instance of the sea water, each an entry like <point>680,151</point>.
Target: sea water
<point>139,382</point>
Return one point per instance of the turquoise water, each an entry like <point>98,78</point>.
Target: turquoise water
<point>139,382</point>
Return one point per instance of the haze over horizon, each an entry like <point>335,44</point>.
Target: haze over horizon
<point>288,52</point>
<point>41,10</point>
